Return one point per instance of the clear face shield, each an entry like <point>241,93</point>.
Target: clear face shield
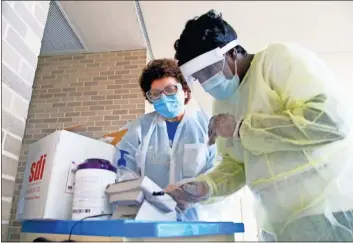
<point>210,77</point>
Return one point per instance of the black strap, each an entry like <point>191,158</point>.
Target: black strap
<point>42,239</point>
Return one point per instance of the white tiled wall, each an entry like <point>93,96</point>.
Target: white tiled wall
<point>22,30</point>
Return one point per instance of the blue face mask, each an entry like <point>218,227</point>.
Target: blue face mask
<point>169,106</point>
<point>220,87</point>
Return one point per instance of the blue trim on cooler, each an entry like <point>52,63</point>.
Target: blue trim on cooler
<point>131,228</point>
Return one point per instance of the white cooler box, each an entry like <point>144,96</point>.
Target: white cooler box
<point>47,190</point>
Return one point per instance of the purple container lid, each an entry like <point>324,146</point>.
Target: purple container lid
<point>97,164</point>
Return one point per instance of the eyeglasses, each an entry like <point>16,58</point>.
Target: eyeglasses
<point>155,94</point>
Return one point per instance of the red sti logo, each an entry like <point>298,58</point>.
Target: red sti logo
<point>37,169</point>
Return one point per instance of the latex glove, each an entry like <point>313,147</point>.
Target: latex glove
<point>189,193</point>
<point>223,125</point>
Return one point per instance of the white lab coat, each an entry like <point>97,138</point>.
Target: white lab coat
<point>150,154</point>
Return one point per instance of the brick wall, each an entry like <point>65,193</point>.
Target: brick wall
<point>22,30</point>
<point>98,90</point>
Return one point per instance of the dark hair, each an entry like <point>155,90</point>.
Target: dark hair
<point>203,34</point>
<point>162,68</point>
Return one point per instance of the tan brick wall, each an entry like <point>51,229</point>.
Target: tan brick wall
<point>98,90</point>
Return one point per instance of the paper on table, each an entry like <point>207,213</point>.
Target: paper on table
<point>163,202</point>
<point>151,213</point>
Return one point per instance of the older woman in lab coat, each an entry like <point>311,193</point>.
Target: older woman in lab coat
<point>169,144</point>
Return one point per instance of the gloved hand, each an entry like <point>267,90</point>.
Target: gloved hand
<point>223,125</point>
<point>187,194</point>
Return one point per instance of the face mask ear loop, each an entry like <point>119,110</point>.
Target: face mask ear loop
<point>224,61</point>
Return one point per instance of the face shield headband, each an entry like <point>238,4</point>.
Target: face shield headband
<point>205,60</point>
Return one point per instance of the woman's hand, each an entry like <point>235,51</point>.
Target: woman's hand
<point>189,193</point>
<point>223,125</point>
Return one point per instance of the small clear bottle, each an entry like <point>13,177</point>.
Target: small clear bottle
<point>123,173</point>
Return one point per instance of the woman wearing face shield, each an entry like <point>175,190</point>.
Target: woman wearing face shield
<point>281,126</point>
<point>169,144</point>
